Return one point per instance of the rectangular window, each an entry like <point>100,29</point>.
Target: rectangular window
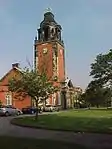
<point>8,98</point>
<point>59,98</point>
<point>54,99</point>
<point>48,101</point>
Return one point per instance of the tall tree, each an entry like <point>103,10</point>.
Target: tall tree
<point>101,69</point>
<point>32,83</point>
<point>101,72</point>
<point>96,96</point>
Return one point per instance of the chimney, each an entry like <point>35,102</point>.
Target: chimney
<point>15,65</point>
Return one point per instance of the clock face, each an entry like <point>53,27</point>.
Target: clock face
<point>45,50</point>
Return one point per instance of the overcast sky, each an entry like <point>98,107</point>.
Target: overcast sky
<point>87,31</point>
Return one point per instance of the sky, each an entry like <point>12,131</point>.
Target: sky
<point>87,31</point>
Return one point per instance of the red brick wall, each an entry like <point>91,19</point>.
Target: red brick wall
<point>61,64</point>
<point>45,60</point>
<point>2,97</point>
<point>22,103</point>
<point>16,102</point>
<point>10,74</point>
<point>4,89</point>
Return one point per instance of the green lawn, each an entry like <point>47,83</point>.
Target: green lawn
<point>22,143</point>
<point>75,120</point>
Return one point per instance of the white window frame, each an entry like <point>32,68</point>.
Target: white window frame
<point>54,99</point>
<point>59,98</point>
<point>8,98</point>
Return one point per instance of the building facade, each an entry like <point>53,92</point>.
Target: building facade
<point>9,98</point>
<point>49,53</point>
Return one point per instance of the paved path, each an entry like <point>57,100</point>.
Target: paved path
<point>93,141</point>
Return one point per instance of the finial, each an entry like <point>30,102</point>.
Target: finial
<point>48,10</point>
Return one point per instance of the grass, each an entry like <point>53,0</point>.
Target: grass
<point>23,143</point>
<point>99,121</point>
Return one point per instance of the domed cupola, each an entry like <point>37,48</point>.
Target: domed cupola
<point>49,28</point>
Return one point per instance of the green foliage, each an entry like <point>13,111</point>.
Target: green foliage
<point>101,69</point>
<point>79,100</point>
<point>96,96</point>
<point>32,83</point>
<point>99,89</point>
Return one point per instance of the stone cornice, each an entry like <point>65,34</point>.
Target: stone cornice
<point>47,42</point>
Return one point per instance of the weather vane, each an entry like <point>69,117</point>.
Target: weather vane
<point>48,10</point>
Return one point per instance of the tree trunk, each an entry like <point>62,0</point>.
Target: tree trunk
<point>36,116</point>
<point>97,105</point>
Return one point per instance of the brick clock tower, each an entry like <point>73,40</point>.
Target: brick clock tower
<point>49,52</point>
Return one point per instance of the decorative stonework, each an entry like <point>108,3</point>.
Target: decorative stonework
<point>55,77</point>
<point>36,59</point>
<point>45,50</point>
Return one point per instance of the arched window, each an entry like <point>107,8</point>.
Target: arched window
<point>46,33</point>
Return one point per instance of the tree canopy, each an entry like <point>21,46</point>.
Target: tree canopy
<point>97,96</point>
<point>31,83</point>
<point>101,69</point>
<point>99,89</point>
